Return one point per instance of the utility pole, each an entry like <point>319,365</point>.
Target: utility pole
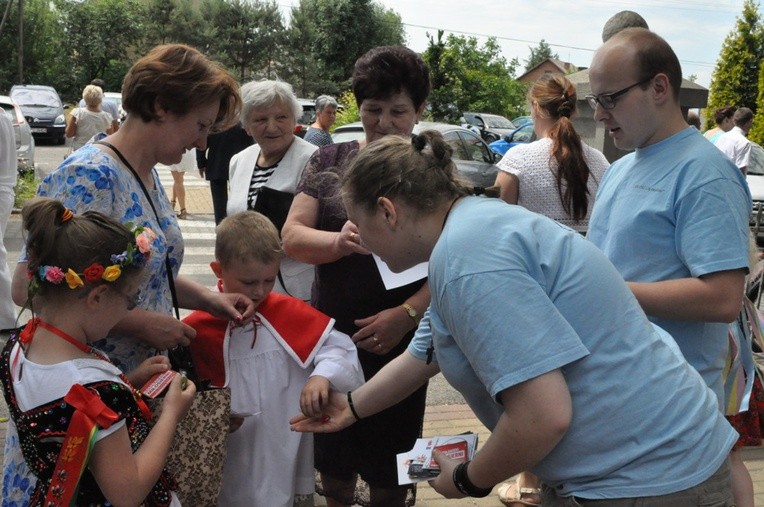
<point>21,41</point>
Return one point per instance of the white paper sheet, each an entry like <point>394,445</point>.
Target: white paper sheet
<point>395,280</point>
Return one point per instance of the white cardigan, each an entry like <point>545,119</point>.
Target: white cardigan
<point>297,276</point>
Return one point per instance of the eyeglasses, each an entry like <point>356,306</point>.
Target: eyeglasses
<point>608,100</point>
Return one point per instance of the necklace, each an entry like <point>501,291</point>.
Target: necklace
<point>26,338</point>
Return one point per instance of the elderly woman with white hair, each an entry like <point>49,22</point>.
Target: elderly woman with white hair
<point>326,113</point>
<point>264,176</point>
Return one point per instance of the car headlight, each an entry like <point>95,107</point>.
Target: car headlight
<point>60,120</point>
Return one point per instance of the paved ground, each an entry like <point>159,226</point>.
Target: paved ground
<point>446,412</point>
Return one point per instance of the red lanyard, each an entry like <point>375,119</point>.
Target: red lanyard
<point>28,333</point>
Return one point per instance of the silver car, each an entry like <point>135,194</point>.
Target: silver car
<point>24,140</point>
<point>471,155</point>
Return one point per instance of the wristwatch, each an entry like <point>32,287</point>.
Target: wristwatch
<point>411,311</point>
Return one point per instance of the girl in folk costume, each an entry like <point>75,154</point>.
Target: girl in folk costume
<point>290,356</point>
<point>83,428</point>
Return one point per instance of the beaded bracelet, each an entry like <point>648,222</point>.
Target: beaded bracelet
<point>463,483</point>
<point>352,407</point>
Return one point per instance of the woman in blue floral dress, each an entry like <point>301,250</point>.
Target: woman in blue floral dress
<point>174,97</point>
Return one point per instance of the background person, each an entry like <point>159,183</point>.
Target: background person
<point>178,172</point>
<point>275,162</point>
<point>391,85</point>
<point>723,118</point>
<point>213,164</point>
<point>174,95</point>
<point>326,114</point>
<point>85,122</point>
<point>672,216</point>
<point>558,174</point>
<point>537,369</point>
<point>110,107</point>
<point>8,177</point>
<point>734,143</point>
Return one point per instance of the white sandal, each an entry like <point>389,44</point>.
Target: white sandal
<point>511,495</point>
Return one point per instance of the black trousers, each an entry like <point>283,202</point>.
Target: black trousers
<point>219,191</point>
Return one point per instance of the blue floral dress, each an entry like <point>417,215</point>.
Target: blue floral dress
<point>90,179</point>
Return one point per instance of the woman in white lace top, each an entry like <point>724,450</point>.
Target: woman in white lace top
<point>558,175</point>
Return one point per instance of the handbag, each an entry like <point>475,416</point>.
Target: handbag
<point>274,204</point>
<point>198,449</point>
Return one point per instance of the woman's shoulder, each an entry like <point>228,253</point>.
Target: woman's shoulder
<point>334,155</point>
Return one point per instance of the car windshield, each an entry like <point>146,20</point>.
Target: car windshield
<point>498,122</point>
<point>36,98</point>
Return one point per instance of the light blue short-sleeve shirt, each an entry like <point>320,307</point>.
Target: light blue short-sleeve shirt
<point>676,209</point>
<point>516,295</point>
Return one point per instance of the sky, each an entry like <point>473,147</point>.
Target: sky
<point>695,29</point>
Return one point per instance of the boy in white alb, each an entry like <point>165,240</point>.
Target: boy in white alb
<point>290,356</point>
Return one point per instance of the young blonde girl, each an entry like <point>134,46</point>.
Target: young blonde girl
<point>83,427</point>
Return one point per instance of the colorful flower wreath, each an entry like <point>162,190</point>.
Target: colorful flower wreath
<point>135,255</point>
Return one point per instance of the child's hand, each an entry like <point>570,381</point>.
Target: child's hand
<point>314,395</point>
<point>177,401</point>
<point>234,423</point>
<point>147,369</point>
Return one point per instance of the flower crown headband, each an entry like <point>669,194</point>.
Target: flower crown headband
<point>134,255</point>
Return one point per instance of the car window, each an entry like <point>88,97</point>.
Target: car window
<point>36,97</point>
<point>9,111</point>
<point>498,122</point>
<point>756,162</point>
<point>477,149</point>
<point>454,141</point>
<point>523,134</point>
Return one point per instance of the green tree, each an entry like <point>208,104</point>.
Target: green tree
<point>756,133</point>
<point>735,77</point>
<point>469,77</point>
<point>246,36</point>
<point>99,37</point>
<point>539,54</point>
<point>43,40</point>
<point>346,29</point>
<point>300,66</point>
<point>173,21</point>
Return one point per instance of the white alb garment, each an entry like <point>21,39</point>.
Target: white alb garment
<point>266,463</point>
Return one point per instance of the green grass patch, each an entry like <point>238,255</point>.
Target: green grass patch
<point>26,188</point>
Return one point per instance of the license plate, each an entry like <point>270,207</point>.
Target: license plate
<point>39,130</point>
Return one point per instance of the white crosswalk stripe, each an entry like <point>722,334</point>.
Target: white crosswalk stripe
<point>190,180</point>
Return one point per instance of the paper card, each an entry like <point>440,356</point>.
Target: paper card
<point>417,464</point>
<point>395,280</point>
<point>158,383</point>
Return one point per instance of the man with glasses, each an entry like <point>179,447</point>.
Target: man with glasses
<point>673,215</point>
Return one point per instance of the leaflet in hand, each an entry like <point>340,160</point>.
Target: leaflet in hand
<point>418,464</point>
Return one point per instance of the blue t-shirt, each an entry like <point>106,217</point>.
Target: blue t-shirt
<point>516,295</point>
<point>676,209</point>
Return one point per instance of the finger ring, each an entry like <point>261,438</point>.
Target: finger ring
<point>379,345</point>
<point>374,337</point>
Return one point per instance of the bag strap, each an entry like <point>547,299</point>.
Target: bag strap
<point>168,267</point>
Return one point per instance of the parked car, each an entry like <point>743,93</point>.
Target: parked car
<point>521,135</point>
<point>116,98</point>
<point>43,110</point>
<point>491,127</point>
<point>473,159</point>
<point>22,131</point>
<point>307,118</point>
<point>755,178</point>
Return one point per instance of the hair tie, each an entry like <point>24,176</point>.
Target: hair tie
<point>66,215</point>
<point>419,142</point>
